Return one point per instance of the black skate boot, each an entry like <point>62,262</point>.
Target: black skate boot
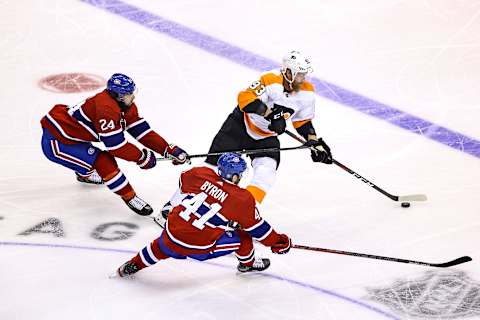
<point>127,269</point>
<point>259,264</point>
<point>93,178</point>
<point>139,206</point>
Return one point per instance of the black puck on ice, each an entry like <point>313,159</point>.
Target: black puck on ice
<point>405,204</point>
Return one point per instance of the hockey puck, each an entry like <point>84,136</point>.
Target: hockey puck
<point>405,204</point>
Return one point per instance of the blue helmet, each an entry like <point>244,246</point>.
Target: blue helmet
<point>120,85</point>
<point>230,164</point>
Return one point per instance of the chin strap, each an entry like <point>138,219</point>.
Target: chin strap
<point>290,82</point>
<point>117,98</point>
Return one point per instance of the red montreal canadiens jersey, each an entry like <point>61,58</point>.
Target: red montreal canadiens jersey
<point>99,118</point>
<point>206,203</point>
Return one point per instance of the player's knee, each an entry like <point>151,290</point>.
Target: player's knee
<point>105,164</point>
<point>264,172</point>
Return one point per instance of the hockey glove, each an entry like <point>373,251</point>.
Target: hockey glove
<point>161,217</point>
<point>283,245</point>
<point>234,225</point>
<point>322,151</point>
<point>147,160</point>
<point>277,119</point>
<point>177,154</point>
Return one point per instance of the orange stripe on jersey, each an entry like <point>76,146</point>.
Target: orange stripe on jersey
<point>271,78</point>
<point>249,95</point>
<point>298,124</point>
<point>254,128</point>
<point>246,97</point>
<point>307,86</point>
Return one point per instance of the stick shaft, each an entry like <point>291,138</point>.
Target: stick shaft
<point>371,256</point>
<point>344,167</point>
<point>365,180</point>
<point>253,151</point>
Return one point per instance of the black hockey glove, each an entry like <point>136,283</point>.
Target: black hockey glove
<point>277,119</point>
<point>323,155</point>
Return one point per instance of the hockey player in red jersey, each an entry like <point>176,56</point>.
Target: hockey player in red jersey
<point>205,207</point>
<point>69,130</point>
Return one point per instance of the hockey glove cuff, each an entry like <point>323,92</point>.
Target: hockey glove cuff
<point>283,245</point>
<point>177,154</point>
<point>147,160</point>
<point>322,151</point>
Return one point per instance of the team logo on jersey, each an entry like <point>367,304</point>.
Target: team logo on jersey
<point>436,295</point>
<point>91,151</point>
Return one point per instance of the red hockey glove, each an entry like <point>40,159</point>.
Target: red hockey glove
<point>147,160</point>
<point>283,245</point>
<point>177,154</point>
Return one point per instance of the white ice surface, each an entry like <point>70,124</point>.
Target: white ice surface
<point>422,57</point>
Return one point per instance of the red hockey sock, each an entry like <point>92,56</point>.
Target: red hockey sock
<point>246,253</point>
<point>114,179</point>
<point>149,255</point>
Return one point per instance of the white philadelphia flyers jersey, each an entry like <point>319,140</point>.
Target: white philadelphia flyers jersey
<point>269,89</point>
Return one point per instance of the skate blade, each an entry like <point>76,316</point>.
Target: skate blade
<point>115,275</point>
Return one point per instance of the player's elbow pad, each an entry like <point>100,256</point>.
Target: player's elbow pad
<point>256,106</point>
<point>306,129</point>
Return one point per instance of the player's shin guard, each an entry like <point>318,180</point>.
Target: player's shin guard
<point>264,173</point>
<point>116,181</point>
<point>246,255</point>
<point>147,257</point>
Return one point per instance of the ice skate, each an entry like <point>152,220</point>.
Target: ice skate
<point>128,269</point>
<point>139,206</point>
<point>259,264</point>
<point>93,178</point>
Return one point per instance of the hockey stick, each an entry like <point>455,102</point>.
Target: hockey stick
<point>254,151</point>
<point>371,256</point>
<point>407,198</point>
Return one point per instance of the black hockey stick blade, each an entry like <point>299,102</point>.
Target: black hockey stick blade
<point>453,262</point>
<point>372,256</point>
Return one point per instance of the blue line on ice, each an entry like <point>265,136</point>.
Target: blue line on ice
<point>325,89</point>
<point>268,275</point>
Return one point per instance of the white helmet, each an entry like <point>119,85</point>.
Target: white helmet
<point>296,62</point>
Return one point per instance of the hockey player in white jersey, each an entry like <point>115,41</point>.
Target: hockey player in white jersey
<point>261,115</point>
